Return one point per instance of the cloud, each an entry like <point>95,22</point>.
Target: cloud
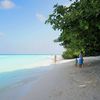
<point>40,17</point>
<point>7,4</point>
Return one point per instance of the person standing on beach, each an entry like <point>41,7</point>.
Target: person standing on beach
<point>76,61</point>
<point>81,55</point>
<point>55,58</point>
<point>80,60</point>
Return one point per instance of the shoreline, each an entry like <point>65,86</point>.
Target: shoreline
<point>63,81</point>
<point>18,64</point>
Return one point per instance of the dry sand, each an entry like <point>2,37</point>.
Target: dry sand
<point>63,82</point>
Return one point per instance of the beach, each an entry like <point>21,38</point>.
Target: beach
<point>63,81</point>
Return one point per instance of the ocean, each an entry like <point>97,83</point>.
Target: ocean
<point>15,68</point>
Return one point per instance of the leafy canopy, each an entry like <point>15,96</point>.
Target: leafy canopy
<point>79,25</point>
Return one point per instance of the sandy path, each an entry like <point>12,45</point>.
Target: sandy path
<point>65,82</point>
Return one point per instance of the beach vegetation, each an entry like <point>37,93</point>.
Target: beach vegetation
<point>79,26</point>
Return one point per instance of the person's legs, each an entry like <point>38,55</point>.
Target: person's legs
<point>80,65</point>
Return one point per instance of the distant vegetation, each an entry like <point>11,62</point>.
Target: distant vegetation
<point>79,25</point>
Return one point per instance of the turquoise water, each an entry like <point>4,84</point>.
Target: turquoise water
<point>16,68</point>
<point>16,62</point>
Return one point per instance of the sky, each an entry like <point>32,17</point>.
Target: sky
<point>23,29</point>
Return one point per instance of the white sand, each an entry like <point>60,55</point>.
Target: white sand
<point>63,82</point>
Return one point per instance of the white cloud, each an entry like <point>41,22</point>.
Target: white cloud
<point>40,17</point>
<point>7,4</point>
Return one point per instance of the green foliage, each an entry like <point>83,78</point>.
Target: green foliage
<point>79,25</point>
<point>69,54</point>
